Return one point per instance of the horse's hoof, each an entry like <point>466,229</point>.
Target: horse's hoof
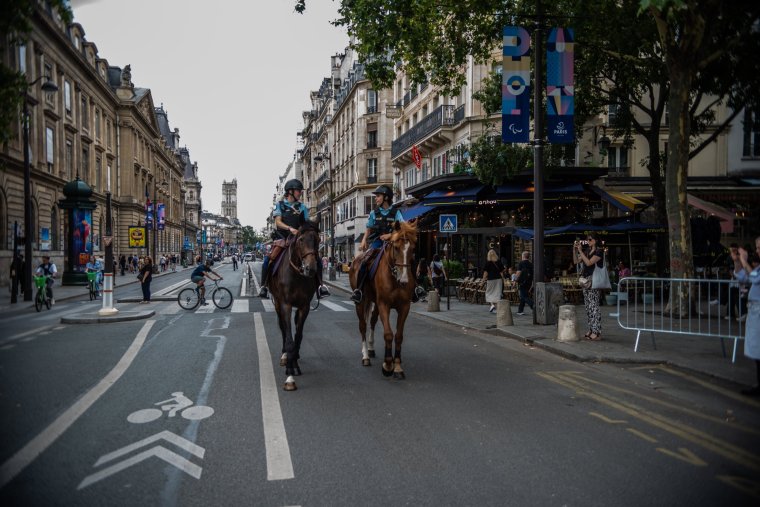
<point>290,384</point>
<point>371,353</point>
<point>399,375</point>
<point>366,362</point>
<point>386,373</point>
<point>283,360</point>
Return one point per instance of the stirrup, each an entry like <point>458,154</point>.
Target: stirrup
<point>263,292</point>
<point>356,296</point>
<point>323,291</point>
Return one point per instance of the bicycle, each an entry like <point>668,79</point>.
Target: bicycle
<point>190,298</point>
<point>41,298</point>
<point>92,284</point>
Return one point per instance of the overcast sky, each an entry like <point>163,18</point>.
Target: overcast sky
<point>233,76</point>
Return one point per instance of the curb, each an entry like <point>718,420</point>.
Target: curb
<point>94,318</point>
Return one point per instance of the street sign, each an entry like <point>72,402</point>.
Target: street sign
<point>107,240</point>
<point>447,223</point>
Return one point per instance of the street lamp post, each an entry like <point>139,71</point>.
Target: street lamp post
<point>154,225</point>
<point>48,87</point>
<point>320,157</point>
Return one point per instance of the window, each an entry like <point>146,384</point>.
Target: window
<point>109,178</point>
<point>371,101</point>
<point>617,157</point>
<point>612,111</point>
<point>98,173</point>
<point>49,97</point>
<point>751,126</point>
<point>372,138</point>
<point>369,203</point>
<point>50,148</point>
<point>22,58</point>
<point>425,172</point>
<point>108,133</point>
<point>371,170</point>
<point>86,164</point>
<point>69,162</point>
<point>85,117</point>
<point>67,97</point>
<point>97,123</point>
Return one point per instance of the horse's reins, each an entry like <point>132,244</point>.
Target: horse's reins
<point>290,257</point>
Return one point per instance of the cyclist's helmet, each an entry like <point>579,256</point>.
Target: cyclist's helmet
<point>293,184</point>
<point>384,190</point>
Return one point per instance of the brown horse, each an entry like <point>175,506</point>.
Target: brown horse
<point>292,286</point>
<point>391,288</point>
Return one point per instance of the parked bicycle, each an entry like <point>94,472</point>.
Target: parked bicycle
<point>92,284</point>
<point>42,297</point>
<point>190,298</point>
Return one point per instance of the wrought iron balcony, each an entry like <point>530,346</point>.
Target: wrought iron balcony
<point>443,116</point>
<point>324,177</point>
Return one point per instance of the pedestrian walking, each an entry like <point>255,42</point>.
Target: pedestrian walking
<point>590,256</point>
<point>524,276</point>
<point>746,273</point>
<point>492,273</point>
<point>146,276</point>
<point>122,264</point>
<point>437,274</point>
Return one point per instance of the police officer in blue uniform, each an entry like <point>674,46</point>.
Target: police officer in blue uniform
<point>289,215</point>
<point>379,229</point>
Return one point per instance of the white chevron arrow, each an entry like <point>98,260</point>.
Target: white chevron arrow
<point>158,451</point>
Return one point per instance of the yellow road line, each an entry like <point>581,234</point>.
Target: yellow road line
<point>607,419</point>
<point>643,435</point>
<point>707,385</point>
<point>698,437</point>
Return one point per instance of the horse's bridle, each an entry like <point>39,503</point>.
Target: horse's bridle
<point>393,262</point>
<point>300,270</point>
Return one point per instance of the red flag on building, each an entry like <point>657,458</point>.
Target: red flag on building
<point>416,157</point>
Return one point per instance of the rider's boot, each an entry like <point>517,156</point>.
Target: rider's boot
<point>263,293</point>
<point>322,290</point>
<point>356,295</point>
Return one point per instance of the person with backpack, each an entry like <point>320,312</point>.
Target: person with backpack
<point>437,274</point>
<point>524,277</point>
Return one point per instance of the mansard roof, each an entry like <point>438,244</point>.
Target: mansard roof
<point>163,126</point>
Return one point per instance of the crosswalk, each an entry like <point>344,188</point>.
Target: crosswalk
<point>246,305</point>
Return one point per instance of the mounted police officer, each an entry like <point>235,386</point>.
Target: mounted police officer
<point>290,214</point>
<point>379,228</point>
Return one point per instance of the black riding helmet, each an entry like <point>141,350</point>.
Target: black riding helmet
<point>384,190</point>
<point>293,184</point>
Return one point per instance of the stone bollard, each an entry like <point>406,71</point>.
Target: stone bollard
<point>504,314</point>
<point>567,327</point>
<point>434,301</point>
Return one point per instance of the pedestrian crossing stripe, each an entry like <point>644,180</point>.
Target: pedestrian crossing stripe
<point>243,305</point>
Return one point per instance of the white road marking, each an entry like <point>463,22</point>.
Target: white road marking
<point>240,306</point>
<point>332,306</point>
<point>279,464</point>
<point>25,333</point>
<point>30,338</point>
<point>38,444</point>
<point>167,290</point>
<point>209,308</point>
<point>268,305</point>
<point>170,309</point>
<point>8,347</point>
<point>243,284</point>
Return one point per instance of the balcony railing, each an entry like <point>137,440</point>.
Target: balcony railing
<point>443,116</point>
<point>371,179</point>
<point>459,114</point>
<point>323,206</point>
<point>321,180</point>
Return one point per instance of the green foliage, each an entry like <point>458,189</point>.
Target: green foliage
<point>454,269</point>
<point>15,25</point>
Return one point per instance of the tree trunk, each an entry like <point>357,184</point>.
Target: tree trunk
<point>681,261</point>
<point>657,179</point>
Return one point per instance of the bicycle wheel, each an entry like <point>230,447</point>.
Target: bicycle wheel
<point>222,297</point>
<point>92,291</point>
<point>188,299</point>
<point>38,301</point>
<point>47,302</point>
<point>314,302</point>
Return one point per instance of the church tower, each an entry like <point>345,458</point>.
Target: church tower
<point>229,199</point>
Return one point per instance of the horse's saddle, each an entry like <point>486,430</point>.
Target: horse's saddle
<point>278,246</point>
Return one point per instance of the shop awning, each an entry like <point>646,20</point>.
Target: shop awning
<point>519,193</point>
<point>619,228</point>
<point>620,200</point>
<point>726,217</point>
<point>449,197</point>
<point>416,211</point>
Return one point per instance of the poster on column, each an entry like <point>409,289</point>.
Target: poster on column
<point>515,86</point>
<point>161,212</point>
<point>149,215</point>
<point>82,238</point>
<point>560,98</point>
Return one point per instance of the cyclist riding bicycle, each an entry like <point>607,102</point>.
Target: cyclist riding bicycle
<point>48,269</point>
<point>199,275</point>
<point>95,266</point>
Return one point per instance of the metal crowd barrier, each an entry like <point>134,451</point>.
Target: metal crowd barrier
<point>644,304</point>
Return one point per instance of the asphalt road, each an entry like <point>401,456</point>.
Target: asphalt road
<point>479,420</point>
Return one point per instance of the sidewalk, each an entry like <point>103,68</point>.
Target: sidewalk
<point>64,292</point>
<point>691,353</point>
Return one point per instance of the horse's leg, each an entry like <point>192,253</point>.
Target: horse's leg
<point>301,314</point>
<point>403,313</point>
<point>282,321</point>
<point>288,346</point>
<point>384,313</point>
<point>361,314</point>
<point>372,324</point>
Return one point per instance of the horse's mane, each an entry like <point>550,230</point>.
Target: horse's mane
<point>406,231</point>
<point>310,226</point>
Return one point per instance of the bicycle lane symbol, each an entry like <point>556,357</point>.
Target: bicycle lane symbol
<point>178,403</point>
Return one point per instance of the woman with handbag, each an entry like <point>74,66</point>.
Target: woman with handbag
<point>492,273</point>
<point>145,276</point>
<point>591,259</point>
